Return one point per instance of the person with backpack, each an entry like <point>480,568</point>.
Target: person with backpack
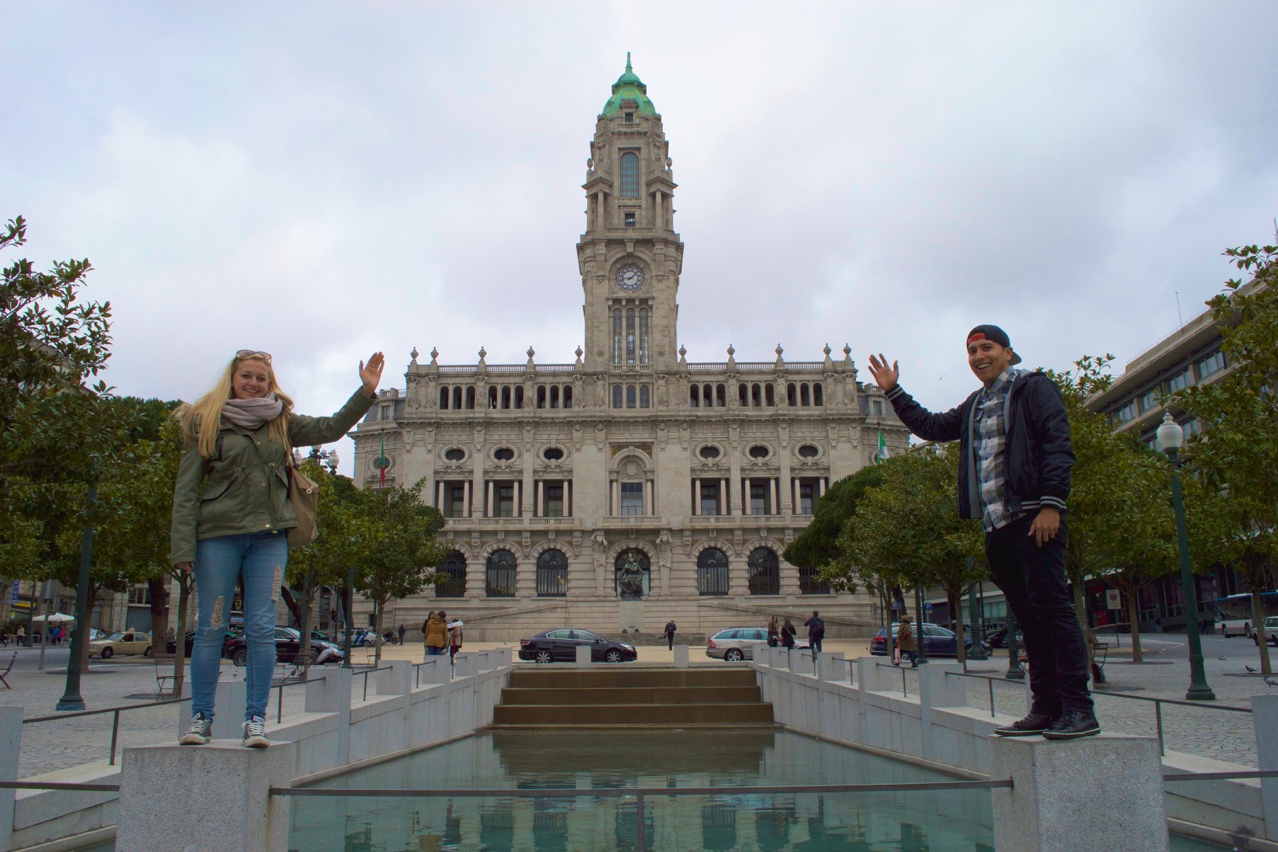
<point>816,631</point>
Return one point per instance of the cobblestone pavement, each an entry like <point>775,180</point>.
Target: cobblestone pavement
<point>1199,730</point>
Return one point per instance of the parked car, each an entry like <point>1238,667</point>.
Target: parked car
<point>190,643</point>
<point>937,641</point>
<point>998,639</point>
<point>1271,631</point>
<point>734,644</point>
<point>125,642</point>
<point>287,644</point>
<point>561,644</point>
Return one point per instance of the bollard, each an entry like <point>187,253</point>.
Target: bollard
<point>436,670</point>
<point>1264,709</point>
<point>10,742</point>
<point>332,694</point>
<point>396,679</point>
<point>832,666</point>
<point>465,665</point>
<point>681,656</point>
<point>1078,794</point>
<point>228,710</point>
<point>221,790</point>
<point>583,656</point>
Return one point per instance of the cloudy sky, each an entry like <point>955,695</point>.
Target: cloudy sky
<point>324,179</point>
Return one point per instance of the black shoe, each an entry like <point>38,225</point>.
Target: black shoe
<point>1073,724</point>
<point>1034,723</point>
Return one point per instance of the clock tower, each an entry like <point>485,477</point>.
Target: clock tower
<point>630,256</point>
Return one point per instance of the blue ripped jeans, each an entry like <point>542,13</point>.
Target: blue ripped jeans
<point>260,558</point>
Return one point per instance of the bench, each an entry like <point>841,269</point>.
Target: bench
<point>4,674</point>
<point>1099,654</point>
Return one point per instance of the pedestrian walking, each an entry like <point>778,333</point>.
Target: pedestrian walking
<point>454,639</point>
<point>774,632</point>
<point>22,635</point>
<point>435,633</point>
<point>401,634</point>
<point>1014,475</point>
<point>906,644</point>
<point>670,632</point>
<point>787,634</point>
<point>231,511</point>
<point>816,631</point>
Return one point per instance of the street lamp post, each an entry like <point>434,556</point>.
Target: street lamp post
<point>1014,670</point>
<point>975,619</point>
<point>71,699</point>
<point>920,639</point>
<point>1169,440</point>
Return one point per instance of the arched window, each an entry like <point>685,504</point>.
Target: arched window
<point>617,391</point>
<point>756,396</point>
<point>470,398</point>
<point>457,397</point>
<point>721,396</point>
<point>644,398</point>
<point>499,577</point>
<point>519,396</point>
<point>541,396</point>
<point>791,399</point>
<point>630,336</point>
<point>765,572</point>
<point>554,396</point>
<point>694,396</point>
<point>811,584</point>
<point>769,394</point>
<point>803,394</point>
<point>630,396</point>
<point>552,574</point>
<point>567,396</point>
<point>505,397</point>
<point>616,336</point>
<point>707,393</point>
<point>743,394</point>
<point>454,568</point>
<point>712,572</point>
<point>643,336</point>
<point>818,397</point>
<point>629,175</point>
<point>443,398</point>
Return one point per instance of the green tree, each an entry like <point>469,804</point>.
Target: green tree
<point>1237,451</point>
<point>817,546</point>
<point>907,532</point>
<point>394,534</point>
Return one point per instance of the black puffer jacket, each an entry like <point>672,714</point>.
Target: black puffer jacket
<point>1037,452</point>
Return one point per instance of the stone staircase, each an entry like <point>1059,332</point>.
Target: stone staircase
<point>627,696</point>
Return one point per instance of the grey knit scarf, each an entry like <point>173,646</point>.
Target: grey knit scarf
<point>252,414</point>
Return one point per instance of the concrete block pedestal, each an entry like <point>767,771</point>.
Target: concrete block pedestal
<point>192,797</point>
<point>1086,793</point>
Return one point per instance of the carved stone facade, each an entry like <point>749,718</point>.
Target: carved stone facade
<point>703,472</point>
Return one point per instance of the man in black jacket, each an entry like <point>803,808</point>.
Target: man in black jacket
<point>1014,469</point>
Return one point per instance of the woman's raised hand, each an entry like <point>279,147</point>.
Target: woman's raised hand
<point>371,373</point>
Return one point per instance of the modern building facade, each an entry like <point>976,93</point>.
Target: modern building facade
<point>632,486</point>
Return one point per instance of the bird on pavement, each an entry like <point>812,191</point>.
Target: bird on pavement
<point>1270,681</point>
<point>1249,668</point>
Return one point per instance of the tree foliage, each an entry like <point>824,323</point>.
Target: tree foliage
<point>817,546</point>
<point>1237,451</point>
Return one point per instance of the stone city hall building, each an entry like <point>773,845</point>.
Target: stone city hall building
<point>632,486</point>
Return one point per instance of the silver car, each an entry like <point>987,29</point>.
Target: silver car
<point>736,643</point>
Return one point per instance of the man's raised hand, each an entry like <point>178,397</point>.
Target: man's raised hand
<point>884,376</point>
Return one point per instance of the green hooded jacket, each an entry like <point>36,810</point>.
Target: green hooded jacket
<point>244,489</point>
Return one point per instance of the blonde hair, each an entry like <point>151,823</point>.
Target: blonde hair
<point>208,409</point>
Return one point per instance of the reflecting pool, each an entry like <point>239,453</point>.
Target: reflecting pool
<point>948,820</point>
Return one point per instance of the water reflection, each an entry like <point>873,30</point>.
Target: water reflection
<point>950,820</point>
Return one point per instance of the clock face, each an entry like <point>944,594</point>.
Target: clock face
<point>630,278</point>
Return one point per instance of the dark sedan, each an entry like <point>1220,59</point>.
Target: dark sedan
<point>938,641</point>
<point>998,639</point>
<point>561,644</point>
<point>287,644</point>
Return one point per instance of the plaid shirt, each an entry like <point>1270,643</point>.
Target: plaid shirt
<point>988,439</point>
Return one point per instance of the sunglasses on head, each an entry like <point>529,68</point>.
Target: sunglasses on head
<point>251,353</point>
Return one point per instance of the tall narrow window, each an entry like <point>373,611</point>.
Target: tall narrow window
<point>631,499</point>
<point>554,500</point>
<point>616,336</point>
<point>630,396</point>
<point>643,336</point>
<point>552,574</point>
<point>630,336</point>
<point>765,574</point>
<point>629,175</point>
<point>616,396</point>
<point>499,576</point>
<point>454,568</point>
<point>712,572</point>
<point>645,398</point>
<point>554,396</point>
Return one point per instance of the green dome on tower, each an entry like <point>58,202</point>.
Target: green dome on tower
<point>629,87</point>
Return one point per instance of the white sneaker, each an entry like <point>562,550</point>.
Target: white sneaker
<point>199,732</point>
<point>255,733</point>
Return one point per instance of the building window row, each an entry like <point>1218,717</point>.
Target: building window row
<point>757,496</point>
<point>501,570</point>
<point>1153,396</point>
<point>631,396</point>
<point>805,394</point>
<point>552,498</point>
<point>554,396</point>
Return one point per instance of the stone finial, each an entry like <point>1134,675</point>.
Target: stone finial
<point>483,353</point>
<point>847,357</point>
<point>827,363</point>
<point>826,350</point>
<point>683,355</point>
<point>531,352</point>
<point>579,353</point>
<point>413,354</point>
<point>780,360</point>
<point>434,356</point>
<point>732,361</point>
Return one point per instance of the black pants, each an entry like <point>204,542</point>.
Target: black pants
<point>670,641</point>
<point>1033,581</point>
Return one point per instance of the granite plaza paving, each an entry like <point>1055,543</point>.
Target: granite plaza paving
<point>1198,730</point>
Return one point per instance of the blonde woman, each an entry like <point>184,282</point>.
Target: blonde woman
<point>230,515</point>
